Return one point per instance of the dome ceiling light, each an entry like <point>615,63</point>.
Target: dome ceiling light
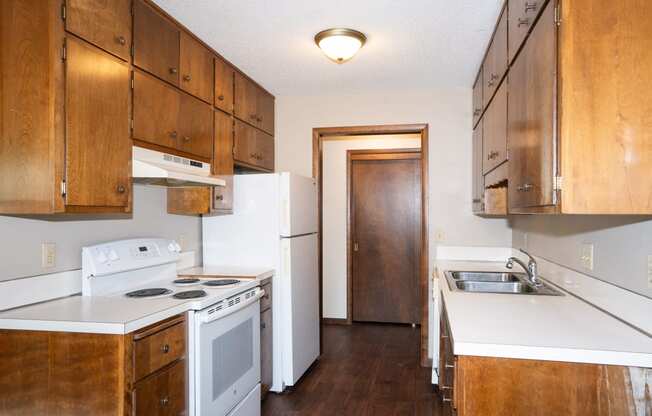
<point>340,44</point>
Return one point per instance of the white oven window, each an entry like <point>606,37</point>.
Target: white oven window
<point>233,356</point>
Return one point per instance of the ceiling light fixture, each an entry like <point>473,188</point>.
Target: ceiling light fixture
<point>340,44</point>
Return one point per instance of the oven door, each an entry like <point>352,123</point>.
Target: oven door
<point>227,359</point>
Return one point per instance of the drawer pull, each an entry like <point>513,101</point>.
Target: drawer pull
<point>526,187</point>
<point>219,197</point>
<point>187,78</point>
<point>449,365</point>
<point>186,139</point>
<point>530,6</point>
<point>446,400</point>
<point>165,349</point>
<point>173,70</point>
<point>221,98</point>
<point>445,388</point>
<point>523,22</point>
<point>121,189</point>
<point>174,134</point>
<point>477,112</point>
<point>492,155</point>
<point>165,401</point>
<point>121,40</point>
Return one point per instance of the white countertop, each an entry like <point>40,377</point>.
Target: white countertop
<point>552,328</point>
<point>113,314</point>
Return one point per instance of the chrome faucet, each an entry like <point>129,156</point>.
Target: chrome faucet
<point>530,268</point>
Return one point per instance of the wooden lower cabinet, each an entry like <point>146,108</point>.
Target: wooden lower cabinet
<point>489,386</point>
<point>71,374</point>
<point>266,338</point>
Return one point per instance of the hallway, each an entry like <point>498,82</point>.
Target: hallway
<point>366,369</point>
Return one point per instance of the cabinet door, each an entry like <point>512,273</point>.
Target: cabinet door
<point>477,99</point>
<point>156,43</point>
<point>196,68</point>
<point>223,149</point>
<point>106,24</point>
<point>478,177</point>
<point>495,131</point>
<point>156,111</point>
<point>244,149</point>
<point>162,393</point>
<point>266,349</point>
<point>98,147</point>
<point>196,127</point>
<point>495,64</point>
<point>522,14</point>
<point>265,111</point>
<point>246,99</point>
<point>264,150</point>
<point>531,117</point>
<point>224,74</point>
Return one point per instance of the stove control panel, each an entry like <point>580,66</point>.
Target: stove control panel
<point>125,255</point>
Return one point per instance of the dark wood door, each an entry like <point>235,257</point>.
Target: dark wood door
<point>531,117</point>
<point>98,146</point>
<point>385,198</point>
<point>495,131</point>
<point>106,24</point>
<point>478,177</point>
<point>156,43</point>
<point>156,111</point>
<point>196,64</point>
<point>196,127</point>
<point>224,74</point>
<point>522,14</point>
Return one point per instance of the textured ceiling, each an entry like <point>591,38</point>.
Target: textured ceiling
<point>412,44</point>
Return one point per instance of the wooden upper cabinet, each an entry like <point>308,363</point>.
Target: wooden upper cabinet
<point>156,111</point>
<point>522,15</point>
<point>246,99</point>
<point>478,177</point>
<point>265,111</point>
<point>495,131</point>
<point>477,99</point>
<point>156,43</point>
<point>224,74</point>
<point>532,111</point>
<point>106,24</point>
<point>98,147</point>
<point>223,147</point>
<point>252,147</point>
<point>196,63</point>
<point>195,127</point>
<point>495,63</point>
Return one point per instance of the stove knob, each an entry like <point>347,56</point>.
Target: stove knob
<point>177,246</point>
<point>113,256</point>
<point>172,248</point>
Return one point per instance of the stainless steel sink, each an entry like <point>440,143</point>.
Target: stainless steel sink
<point>496,282</point>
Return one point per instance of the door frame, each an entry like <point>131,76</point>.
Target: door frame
<point>368,154</point>
<point>322,134</point>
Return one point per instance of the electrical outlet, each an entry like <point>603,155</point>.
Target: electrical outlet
<point>649,270</point>
<point>440,235</point>
<point>48,255</point>
<point>586,256</point>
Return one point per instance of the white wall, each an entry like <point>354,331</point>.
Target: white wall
<point>622,245</point>
<point>448,114</point>
<point>334,212</point>
<point>20,253</point>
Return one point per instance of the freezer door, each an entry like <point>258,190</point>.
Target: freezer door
<point>298,205</point>
<point>300,303</point>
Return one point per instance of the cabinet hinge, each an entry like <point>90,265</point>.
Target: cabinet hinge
<point>131,124</point>
<point>558,183</point>
<point>131,50</point>
<point>63,11</point>
<point>557,15</point>
<point>63,188</point>
<point>63,51</point>
<point>132,80</point>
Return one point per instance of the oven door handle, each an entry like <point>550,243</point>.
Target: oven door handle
<point>205,318</point>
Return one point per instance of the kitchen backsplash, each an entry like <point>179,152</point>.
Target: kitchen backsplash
<point>22,238</point>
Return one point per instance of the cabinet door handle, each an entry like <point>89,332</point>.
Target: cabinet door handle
<point>186,139</point>
<point>449,365</point>
<point>253,117</point>
<point>446,399</point>
<point>121,40</point>
<point>221,98</point>
<point>187,78</point>
<point>477,112</point>
<point>174,134</point>
<point>165,401</point>
<point>259,119</point>
<point>165,349</point>
<point>219,197</point>
<point>173,70</point>
<point>526,187</point>
<point>530,6</point>
<point>263,325</point>
<point>121,189</point>
<point>523,22</point>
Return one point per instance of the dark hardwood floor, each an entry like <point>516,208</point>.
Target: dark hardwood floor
<point>365,370</point>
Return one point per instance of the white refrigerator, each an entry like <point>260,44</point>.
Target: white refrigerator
<point>274,224</point>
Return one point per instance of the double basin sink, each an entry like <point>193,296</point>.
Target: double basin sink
<point>497,282</point>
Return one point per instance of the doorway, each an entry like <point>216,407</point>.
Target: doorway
<point>324,135</point>
<point>384,195</point>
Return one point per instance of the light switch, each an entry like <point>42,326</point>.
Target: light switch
<point>48,255</point>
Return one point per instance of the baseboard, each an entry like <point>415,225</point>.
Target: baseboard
<point>334,321</point>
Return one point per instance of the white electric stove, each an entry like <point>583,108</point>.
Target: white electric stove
<point>223,317</point>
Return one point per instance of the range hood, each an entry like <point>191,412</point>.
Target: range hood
<point>163,169</point>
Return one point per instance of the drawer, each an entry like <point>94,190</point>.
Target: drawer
<point>159,348</point>
<point>162,394</point>
<point>266,300</point>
